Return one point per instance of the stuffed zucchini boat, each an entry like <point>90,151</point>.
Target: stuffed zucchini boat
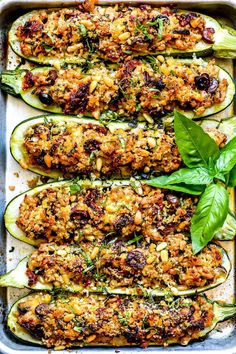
<point>71,35</point>
<point>66,320</point>
<point>73,211</point>
<point>134,90</point>
<point>57,146</point>
<point>134,267</point>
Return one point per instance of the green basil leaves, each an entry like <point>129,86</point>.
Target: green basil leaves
<point>209,216</point>
<point>195,146</point>
<point>208,173</point>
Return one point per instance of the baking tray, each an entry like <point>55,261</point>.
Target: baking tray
<point>13,110</point>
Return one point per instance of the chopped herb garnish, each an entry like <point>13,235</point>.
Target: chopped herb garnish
<point>46,121</point>
<point>83,30</point>
<point>78,329</point>
<point>133,240</point>
<point>138,107</point>
<point>122,141</point>
<point>144,29</point>
<point>92,157</point>
<point>47,47</point>
<point>87,65</point>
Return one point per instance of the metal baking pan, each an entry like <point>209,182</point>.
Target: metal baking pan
<point>13,110</point>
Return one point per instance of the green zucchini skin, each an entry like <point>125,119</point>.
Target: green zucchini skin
<point>227,126</point>
<point>221,313</point>
<point>12,209</point>
<point>224,42</point>
<point>11,82</point>
<point>17,278</point>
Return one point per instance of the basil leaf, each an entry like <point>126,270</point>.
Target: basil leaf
<point>198,175</point>
<point>232,177</point>
<point>227,159</point>
<point>195,146</point>
<point>209,216</point>
<point>160,182</point>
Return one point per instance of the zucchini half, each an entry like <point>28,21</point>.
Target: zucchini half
<point>224,43</point>
<point>227,126</point>
<point>18,278</point>
<point>11,82</point>
<point>12,209</point>
<point>17,138</point>
<point>220,313</point>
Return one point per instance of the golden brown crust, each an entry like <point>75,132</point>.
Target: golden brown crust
<point>136,89</point>
<point>169,265</point>
<point>69,320</point>
<point>56,214</point>
<point>112,33</point>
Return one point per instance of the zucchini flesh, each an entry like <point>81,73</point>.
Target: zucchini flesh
<point>223,39</point>
<point>28,316</point>
<point>125,212</point>
<point>29,162</point>
<point>112,94</point>
<point>103,273</point>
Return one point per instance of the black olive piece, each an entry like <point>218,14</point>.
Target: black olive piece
<point>91,145</point>
<point>213,85</point>
<point>202,81</point>
<point>123,220</point>
<point>159,84</point>
<point>42,310</point>
<point>136,260</point>
<point>182,31</point>
<point>207,35</point>
<point>45,98</point>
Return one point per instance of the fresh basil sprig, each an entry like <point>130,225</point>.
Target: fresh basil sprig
<point>209,172</point>
<point>209,216</point>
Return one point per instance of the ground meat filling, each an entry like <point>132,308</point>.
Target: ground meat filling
<point>112,33</point>
<point>169,264</point>
<point>74,320</point>
<point>88,148</point>
<point>141,89</point>
<point>68,214</point>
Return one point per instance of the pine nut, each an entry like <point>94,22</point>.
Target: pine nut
<point>65,278</point>
<point>94,253</point>
<point>109,82</point>
<point>151,259</point>
<point>68,317</point>
<point>96,114</point>
<point>146,169</point>
<point>164,256</point>
<point>92,86</point>
<point>77,309</point>
<point>61,252</point>
<point>148,118</point>
<point>124,36</point>
<point>138,218</point>
<point>161,58</point>
<point>89,238</point>
<point>161,246</point>
<point>73,48</point>
<point>152,247</point>
<point>91,338</point>
<point>151,142</point>
<point>99,164</point>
